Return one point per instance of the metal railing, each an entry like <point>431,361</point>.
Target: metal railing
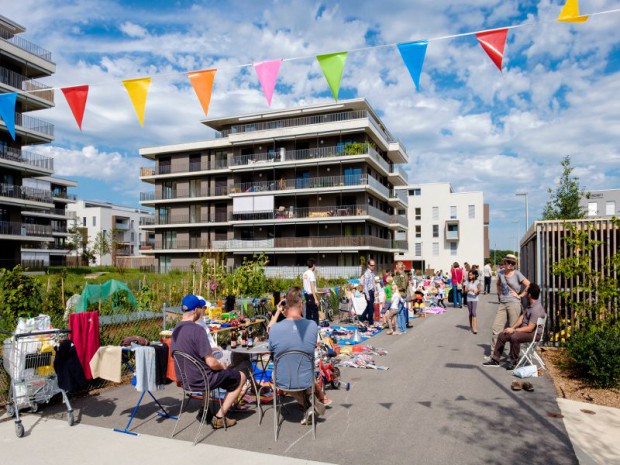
<point>311,183</point>
<point>147,171</point>
<point>303,242</point>
<point>401,245</point>
<point>14,228</point>
<point>29,158</point>
<point>26,45</point>
<point>183,219</point>
<point>25,193</point>
<point>399,219</point>
<point>400,194</point>
<point>178,193</point>
<point>328,272</point>
<point>51,211</point>
<point>398,169</point>
<point>34,124</point>
<point>19,81</point>
<point>63,195</point>
<point>144,221</point>
<point>308,212</point>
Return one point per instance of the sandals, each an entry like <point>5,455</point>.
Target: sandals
<point>518,385</point>
<point>528,386</point>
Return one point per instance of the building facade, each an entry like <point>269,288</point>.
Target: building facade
<point>445,227</point>
<point>32,215</point>
<point>126,230</point>
<point>601,203</point>
<point>315,181</point>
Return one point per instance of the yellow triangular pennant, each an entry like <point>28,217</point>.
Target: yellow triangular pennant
<point>570,13</point>
<point>138,89</point>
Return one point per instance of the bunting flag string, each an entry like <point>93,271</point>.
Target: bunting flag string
<point>202,82</point>
<point>138,90</point>
<point>76,98</point>
<point>7,111</point>
<point>493,42</point>
<point>332,65</point>
<point>267,72</point>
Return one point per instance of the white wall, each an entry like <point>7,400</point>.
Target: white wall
<point>469,247</point>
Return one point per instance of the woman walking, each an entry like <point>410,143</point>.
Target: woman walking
<point>472,289</point>
<point>457,285</point>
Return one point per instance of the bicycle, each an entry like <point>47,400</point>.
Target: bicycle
<point>325,307</point>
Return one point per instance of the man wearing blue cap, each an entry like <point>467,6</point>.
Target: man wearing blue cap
<point>190,338</point>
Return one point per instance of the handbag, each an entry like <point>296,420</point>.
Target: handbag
<point>459,286</point>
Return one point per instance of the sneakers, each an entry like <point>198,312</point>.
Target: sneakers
<point>224,422</point>
<point>491,363</point>
<point>509,366</point>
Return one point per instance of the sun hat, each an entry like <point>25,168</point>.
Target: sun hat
<point>190,302</point>
<point>377,279</point>
<point>510,257</point>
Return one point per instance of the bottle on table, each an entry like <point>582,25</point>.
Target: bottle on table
<point>250,338</point>
<point>244,341</point>
<point>233,339</point>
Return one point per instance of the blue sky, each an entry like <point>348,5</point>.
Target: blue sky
<point>499,133</point>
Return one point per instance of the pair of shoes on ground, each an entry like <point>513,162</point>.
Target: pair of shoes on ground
<point>223,422</point>
<point>492,363</point>
<point>518,385</point>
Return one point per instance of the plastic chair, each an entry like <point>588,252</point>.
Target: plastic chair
<point>299,364</point>
<point>202,391</point>
<point>529,353</point>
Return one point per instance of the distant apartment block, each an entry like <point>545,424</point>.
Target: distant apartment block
<point>126,229</point>
<point>445,227</point>
<point>315,181</point>
<point>601,203</point>
<point>33,220</point>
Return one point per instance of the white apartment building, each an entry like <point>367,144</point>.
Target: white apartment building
<point>604,202</point>
<point>122,224</point>
<point>444,227</point>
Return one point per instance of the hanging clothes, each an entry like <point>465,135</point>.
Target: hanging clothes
<point>106,363</point>
<point>85,335</point>
<point>68,368</point>
<point>161,363</point>
<point>145,368</point>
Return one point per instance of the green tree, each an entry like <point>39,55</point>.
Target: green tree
<point>78,244</point>
<point>20,296</point>
<point>102,245</point>
<point>564,201</point>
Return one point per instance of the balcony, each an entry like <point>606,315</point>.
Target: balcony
<point>51,212</point>
<point>32,161</point>
<point>25,193</point>
<point>64,196</point>
<point>147,171</point>
<point>21,82</point>
<point>312,242</point>
<point>352,180</point>
<point>335,211</point>
<point>186,218</point>
<point>147,221</point>
<point>398,175</point>
<point>27,45</point>
<point>180,193</point>
<point>400,220</point>
<point>10,228</point>
<point>452,230</point>
<point>34,125</point>
<point>399,196</point>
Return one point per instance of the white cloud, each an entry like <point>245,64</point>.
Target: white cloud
<point>133,30</point>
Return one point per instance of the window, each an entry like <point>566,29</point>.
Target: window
<point>592,209</point>
<point>94,221</point>
<point>471,211</point>
<point>133,236</point>
<point>401,211</point>
<point>84,221</point>
<point>435,230</point>
<point>610,208</point>
<point>418,214</point>
<point>164,263</point>
<point>418,231</point>
<point>415,191</point>
<point>435,213</point>
<point>418,249</point>
<point>453,246</point>
<point>169,240</point>
<point>435,249</point>
<point>453,212</point>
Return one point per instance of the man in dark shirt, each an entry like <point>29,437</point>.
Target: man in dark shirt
<point>521,331</point>
<point>192,339</point>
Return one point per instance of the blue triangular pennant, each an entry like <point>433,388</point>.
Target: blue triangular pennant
<point>413,55</point>
<point>7,111</point>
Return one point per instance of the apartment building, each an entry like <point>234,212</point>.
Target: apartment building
<point>601,203</point>
<point>445,227</point>
<point>32,215</point>
<point>126,229</point>
<point>314,181</point>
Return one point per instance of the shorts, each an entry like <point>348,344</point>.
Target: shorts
<point>229,380</point>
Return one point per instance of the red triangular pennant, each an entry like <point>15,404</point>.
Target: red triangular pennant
<point>493,43</point>
<point>76,98</point>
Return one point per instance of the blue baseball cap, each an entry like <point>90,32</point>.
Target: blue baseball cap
<point>201,299</point>
<point>190,302</point>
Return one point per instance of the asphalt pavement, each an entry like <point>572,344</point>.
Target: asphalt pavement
<point>436,404</point>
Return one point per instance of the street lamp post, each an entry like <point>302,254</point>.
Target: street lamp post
<point>527,214</point>
<point>518,242</point>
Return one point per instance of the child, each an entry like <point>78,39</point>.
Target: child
<point>472,288</point>
<point>359,290</point>
<point>441,294</point>
<point>395,307</point>
<point>388,301</point>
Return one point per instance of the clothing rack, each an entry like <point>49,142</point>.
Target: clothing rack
<point>163,413</point>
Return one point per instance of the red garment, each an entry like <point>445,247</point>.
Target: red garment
<point>85,336</point>
<point>457,276</point>
<point>170,374</point>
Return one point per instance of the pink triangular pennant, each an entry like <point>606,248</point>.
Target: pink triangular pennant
<point>267,72</point>
<point>76,98</point>
<point>493,43</point>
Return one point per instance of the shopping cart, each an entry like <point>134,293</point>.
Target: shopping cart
<point>29,361</point>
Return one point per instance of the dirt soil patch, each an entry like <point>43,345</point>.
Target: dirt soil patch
<point>570,387</point>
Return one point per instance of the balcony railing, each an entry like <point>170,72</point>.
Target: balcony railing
<point>34,124</point>
<point>186,218</point>
<point>63,195</point>
<point>19,81</point>
<point>399,219</point>
<point>309,212</point>
<point>24,229</point>
<point>304,242</point>
<point>29,158</point>
<point>25,193</point>
<point>147,171</point>
<point>311,183</point>
<point>400,194</point>
<point>328,272</point>
<point>305,154</point>
<point>401,245</point>
<point>398,169</point>
<point>26,45</point>
<point>147,221</point>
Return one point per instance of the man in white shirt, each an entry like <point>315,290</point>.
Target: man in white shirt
<point>309,284</point>
<point>487,277</point>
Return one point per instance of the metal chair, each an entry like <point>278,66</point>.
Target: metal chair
<point>298,364</point>
<point>182,362</point>
<point>529,353</point>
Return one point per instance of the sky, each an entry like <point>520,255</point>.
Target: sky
<point>469,124</point>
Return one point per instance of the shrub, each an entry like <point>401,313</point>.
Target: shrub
<point>594,353</point>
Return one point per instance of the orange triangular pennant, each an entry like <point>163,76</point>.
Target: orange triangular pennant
<point>493,43</point>
<point>202,82</point>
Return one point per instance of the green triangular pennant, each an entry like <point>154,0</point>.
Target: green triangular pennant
<point>332,65</point>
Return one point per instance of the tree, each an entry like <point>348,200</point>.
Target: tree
<point>78,243</point>
<point>102,245</point>
<point>564,202</point>
<point>20,296</point>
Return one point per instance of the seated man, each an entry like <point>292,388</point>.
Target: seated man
<point>296,333</point>
<point>192,339</point>
<point>521,331</point>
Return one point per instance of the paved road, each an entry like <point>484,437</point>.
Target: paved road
<point>435,405</point>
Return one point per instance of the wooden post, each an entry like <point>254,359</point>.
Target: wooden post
<point>62,290</point>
